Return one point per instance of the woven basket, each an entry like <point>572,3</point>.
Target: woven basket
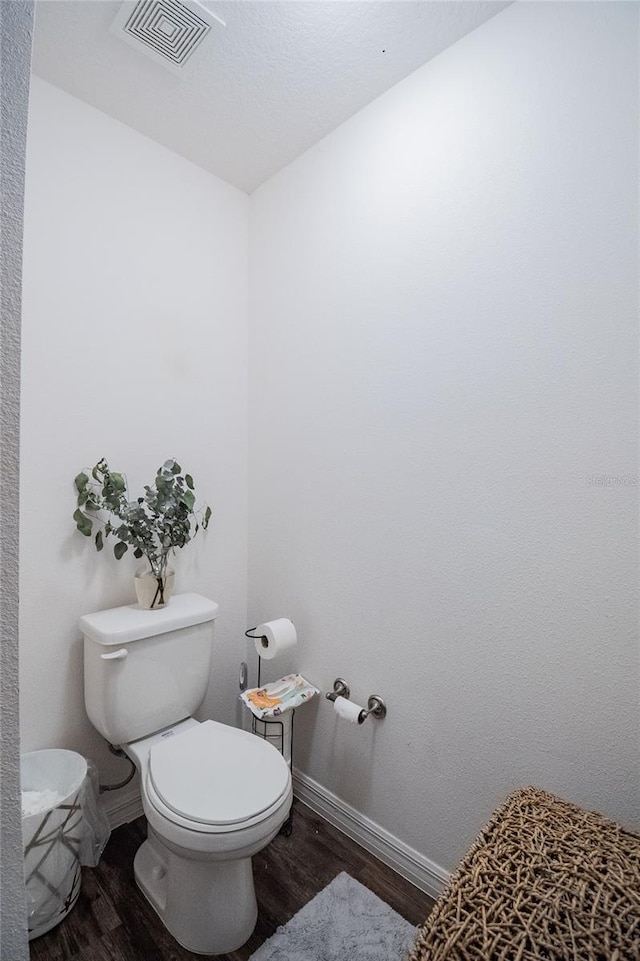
<point>544,881</point>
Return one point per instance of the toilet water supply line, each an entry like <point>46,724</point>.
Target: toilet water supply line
<point>115,787</point>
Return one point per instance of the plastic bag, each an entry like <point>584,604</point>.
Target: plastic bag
<point>96,830</point>
<point>64,826</point>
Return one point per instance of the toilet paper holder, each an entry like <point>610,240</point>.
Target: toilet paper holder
<point>375,705</point>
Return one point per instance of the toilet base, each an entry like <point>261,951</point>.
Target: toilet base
<point>208,906</point>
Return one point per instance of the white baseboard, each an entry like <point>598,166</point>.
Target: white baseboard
<point>122,807</point>
<point>407,862</point>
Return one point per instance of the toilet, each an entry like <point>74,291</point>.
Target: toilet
<point>213,795</point>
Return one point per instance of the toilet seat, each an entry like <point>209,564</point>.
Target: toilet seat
<point>214,778</point>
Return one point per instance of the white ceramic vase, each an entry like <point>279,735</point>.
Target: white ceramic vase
<point>154,592</point>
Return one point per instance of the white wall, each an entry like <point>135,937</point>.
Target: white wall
<point>443,353</point>
<point>135,291</point>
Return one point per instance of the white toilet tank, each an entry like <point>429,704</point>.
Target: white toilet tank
<point>145,670</point>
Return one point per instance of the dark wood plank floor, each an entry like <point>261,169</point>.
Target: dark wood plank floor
<point>112,920</point>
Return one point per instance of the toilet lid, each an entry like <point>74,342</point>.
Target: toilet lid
<point>216,774</point>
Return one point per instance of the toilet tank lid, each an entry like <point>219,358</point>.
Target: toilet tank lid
<point>121,625</point>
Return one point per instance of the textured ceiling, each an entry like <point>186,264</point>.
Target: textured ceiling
<point>259,92</point>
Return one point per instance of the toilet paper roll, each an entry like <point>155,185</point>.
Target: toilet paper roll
<point>347,709</point>
<point>275,637</point>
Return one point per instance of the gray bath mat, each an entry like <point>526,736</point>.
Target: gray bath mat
<point>345,922</point>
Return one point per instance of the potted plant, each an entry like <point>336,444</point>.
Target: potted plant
<point>153,525</point>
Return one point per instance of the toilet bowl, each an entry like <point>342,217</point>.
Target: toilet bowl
<point>213,796</point>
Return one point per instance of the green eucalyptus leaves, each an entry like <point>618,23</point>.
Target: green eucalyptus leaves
<point>153,525</point>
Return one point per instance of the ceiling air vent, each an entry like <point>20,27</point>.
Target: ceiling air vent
<point>168,31</point>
